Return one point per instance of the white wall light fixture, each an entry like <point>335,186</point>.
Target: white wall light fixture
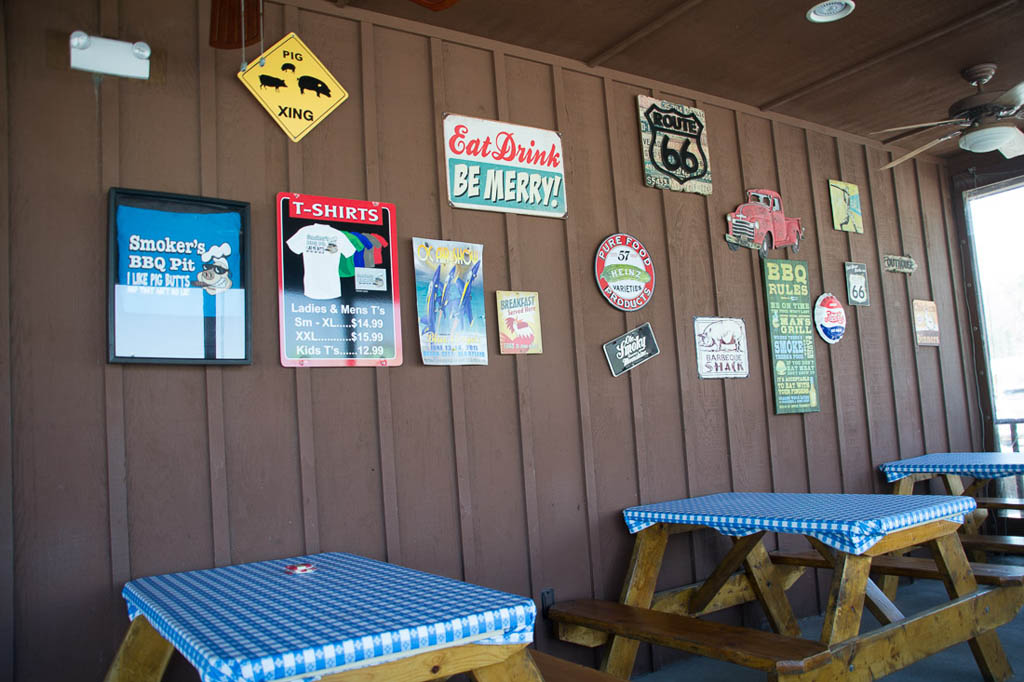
<point>109,57</point>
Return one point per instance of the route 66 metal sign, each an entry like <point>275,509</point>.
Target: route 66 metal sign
<point>674,146</point>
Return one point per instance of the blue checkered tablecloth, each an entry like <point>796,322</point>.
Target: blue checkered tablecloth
<point>849,523</point>
<point>976,464</point>
<point>258,622</point>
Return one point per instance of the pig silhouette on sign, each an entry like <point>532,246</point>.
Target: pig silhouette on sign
<point>314,84</point>
<point>721,335</point>
<point>271,82</point>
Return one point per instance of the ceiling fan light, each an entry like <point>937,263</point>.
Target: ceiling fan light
<point>830,10</point>
<point>988,138</point>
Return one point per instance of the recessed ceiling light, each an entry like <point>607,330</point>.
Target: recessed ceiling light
<point>830,10</point>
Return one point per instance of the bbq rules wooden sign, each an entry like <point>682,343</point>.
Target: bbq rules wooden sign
<point>674,146</point>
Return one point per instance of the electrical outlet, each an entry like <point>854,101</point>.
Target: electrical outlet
<point>547,598</point>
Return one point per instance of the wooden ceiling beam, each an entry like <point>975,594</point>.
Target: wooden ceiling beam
<point>645,30</point>
<point>889,54</point>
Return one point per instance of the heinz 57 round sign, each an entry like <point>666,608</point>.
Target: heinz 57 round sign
<point>624,272</point>
<point>829,318</point>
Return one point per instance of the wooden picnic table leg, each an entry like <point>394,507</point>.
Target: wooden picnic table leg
<point>876,600</point>
<point>519,667</point>
<point>638,590</point>
<point>845,598</point>
<point>770,593</point>
<point>890,583</point>
<point>951,561</point>
<point>143,655</point>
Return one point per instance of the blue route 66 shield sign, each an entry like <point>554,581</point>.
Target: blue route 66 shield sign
<point>674,144</point>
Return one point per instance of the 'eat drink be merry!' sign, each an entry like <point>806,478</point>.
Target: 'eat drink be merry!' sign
<point>497,166</point>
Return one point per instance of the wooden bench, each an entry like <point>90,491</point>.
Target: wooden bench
<point>756,649</point>
<point>1008,544</point>
<point>1015,503</point>
<point>559,670</point>
<point>996,575</point>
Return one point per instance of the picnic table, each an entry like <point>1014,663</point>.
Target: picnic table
<point>340,616</point>
<point>848,532</point>
<point>952,468</point>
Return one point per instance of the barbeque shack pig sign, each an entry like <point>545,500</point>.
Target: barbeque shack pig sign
<point>721,347</point>
<point>497,166</point>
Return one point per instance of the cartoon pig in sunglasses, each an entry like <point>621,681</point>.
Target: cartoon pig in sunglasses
<point>215,275</point>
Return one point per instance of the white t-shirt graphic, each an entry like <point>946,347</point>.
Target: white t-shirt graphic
<point>322,247</point>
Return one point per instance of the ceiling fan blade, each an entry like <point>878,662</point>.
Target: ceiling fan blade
<point>917,125</point>
<point>1014,97</point>
<point>1014,147</point>
<point>922,148</point>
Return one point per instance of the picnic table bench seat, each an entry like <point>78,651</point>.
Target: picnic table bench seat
<point>559,670</point>
<point>757,649</point>
<point>1008,544</point>
<point>1015,503</point>
<point>993,575</point>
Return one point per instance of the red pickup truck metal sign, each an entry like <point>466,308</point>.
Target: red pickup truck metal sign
<point>761,224</point>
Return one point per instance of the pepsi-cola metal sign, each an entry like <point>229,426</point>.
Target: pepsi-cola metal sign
<point>624,272</point>
<point>829,318</point>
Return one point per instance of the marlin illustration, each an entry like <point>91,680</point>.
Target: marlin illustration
<point>429,321</point>
<point>466,301</point>
<point>448,292</point>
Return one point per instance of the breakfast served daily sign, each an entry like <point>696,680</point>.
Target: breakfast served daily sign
<point>498,166</point>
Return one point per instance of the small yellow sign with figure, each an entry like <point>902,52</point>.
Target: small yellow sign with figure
<point>293,86</point>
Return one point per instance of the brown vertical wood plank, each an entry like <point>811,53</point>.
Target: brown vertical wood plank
<point>6,434</point>
<point>954,240</point>
<point>303,379</point>
<point>577,277</point>
<point>385,416</point>
<point>214,375</point>
<point>526,444</point>
<point>117,478</point>
<point>895,302</point>
<point>462,474</point>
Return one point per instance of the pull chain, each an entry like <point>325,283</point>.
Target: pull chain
<point>244,64</point>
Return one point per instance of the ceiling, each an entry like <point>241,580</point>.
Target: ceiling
<point>888,64</point>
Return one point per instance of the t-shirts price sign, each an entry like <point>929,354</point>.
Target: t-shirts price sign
<point>337,282</point>
<point>791,334</point>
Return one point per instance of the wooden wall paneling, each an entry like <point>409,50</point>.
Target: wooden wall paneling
<point>492,423</point>
<point>427,492</point>
<point>711,469</point>
<point>168,414</point>
<point>534,107</point>
<point>382,376</point>
<point>750,438</point>
<point>790,459</point>
<point>894,301</point>
<point>6,433</point>
<point>344,400</point>
<point>60,451</point>
<point>593,219</point>
<point>220,526</point>
<point>872,340</point>
<point>957,420</point>
<point>843,357</point>
<point>455,378</point>
<point>576,155</point>
<point>954,241</point>
<point>264,478</point>
<point>929,377</point>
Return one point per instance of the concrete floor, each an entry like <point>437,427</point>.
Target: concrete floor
<point>955,663</point>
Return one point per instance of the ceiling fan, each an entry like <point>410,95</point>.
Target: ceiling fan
<point>986,120</point>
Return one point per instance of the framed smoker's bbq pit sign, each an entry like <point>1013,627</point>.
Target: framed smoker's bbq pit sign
<point>337,282</point>
<point>498,166</point>
<point>178,279</point>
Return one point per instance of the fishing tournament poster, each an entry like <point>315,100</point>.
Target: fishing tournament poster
<point>450,302</point>
<point>178,283</point>
<point>337,280</point>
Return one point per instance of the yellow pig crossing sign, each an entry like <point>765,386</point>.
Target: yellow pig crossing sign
<point>293,86</point>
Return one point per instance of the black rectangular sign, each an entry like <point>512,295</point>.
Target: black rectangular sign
<point>631,349</point>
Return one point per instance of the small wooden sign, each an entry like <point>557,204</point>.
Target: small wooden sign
<point>905,264</point>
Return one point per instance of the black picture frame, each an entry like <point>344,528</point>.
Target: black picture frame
<point>178,279</point>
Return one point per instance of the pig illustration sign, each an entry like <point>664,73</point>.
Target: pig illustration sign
<point>498,166</point>
<point>721,347</point>
<point>674,144</point>
<point>293,86</point>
